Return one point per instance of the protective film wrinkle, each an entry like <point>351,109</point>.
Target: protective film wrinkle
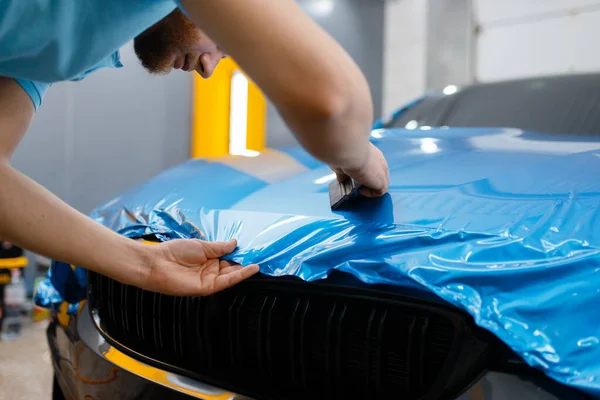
<point>513,243</point>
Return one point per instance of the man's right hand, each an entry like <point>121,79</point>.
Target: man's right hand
<point>324,99</point>
<point>373,175</point>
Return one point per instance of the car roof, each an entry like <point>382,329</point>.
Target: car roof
<point>565,104</point>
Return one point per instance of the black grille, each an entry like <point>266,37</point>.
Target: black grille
<point>289,340</point>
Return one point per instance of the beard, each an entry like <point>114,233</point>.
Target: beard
<point>157,46</point>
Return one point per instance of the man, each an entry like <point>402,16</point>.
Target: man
<point>175,42</point>
<point>316,87</point>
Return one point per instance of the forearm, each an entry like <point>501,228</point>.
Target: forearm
<point>315,85</point>
<point>34,219</point>
<point>340,141</point>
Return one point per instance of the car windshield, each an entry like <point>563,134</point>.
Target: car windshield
<point>560,104</point>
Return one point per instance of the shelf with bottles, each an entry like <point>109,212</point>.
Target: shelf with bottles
<point>12,301</point>
<point>11,257</point>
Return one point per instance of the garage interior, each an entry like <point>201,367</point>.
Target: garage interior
<point>97,138</point>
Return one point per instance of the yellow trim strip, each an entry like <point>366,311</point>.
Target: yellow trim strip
<point>129,364</point>
<point>10,263</point>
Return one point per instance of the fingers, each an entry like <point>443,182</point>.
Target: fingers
<point>219,249</point>
<point>228,270</point>
<point>368,192</point>
<point>214,277</point>
<point>226,267</point>
<point>226,263</point>
<point>373,176</point>
<point>235,276</point>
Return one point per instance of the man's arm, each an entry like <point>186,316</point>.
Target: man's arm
<point>313,82</point>
<point>35,219</point>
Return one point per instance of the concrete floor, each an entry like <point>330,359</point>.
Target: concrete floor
<point>25,366</point>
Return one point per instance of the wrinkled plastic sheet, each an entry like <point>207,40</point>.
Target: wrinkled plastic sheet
<point>500,223</point>
<point>63,284</point>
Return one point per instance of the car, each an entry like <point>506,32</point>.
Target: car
<point>475,277</point>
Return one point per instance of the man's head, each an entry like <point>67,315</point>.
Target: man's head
<point>175,42</point>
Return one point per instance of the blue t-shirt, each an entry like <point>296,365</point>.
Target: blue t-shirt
<point>48,41</point>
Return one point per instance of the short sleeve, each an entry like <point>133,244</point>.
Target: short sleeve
<point>35,90</point>
<point>61,40</point>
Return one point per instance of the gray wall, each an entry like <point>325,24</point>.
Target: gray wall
<point>358,26</point>
<point>450,44</point>
<point>92,139</point>
<point>518,39</point>
<point>404,55</point>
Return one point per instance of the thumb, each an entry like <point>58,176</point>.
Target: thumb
<point>219,249</point>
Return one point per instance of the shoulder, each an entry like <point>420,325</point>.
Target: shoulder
<point>69,39</point>
<point>57,40</point>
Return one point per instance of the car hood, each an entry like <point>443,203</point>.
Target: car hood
<point>499,222</point>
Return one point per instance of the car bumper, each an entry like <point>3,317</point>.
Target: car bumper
<point>89,368</point>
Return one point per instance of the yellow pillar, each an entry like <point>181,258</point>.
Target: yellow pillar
<point>210,113</point>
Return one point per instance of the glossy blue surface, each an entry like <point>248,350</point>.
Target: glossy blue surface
<point>498,222</point>
<point>380,123</point>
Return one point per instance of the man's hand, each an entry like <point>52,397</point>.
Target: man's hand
<point>373,174</point>
<point>36,220</point>
<point>325,100</point>
<point>192,267</point>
